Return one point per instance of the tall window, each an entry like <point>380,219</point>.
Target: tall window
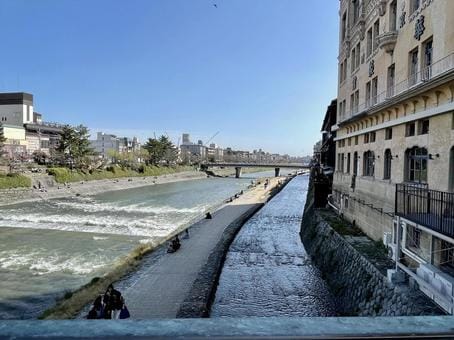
<point>345,69</point>
<point>369,42</point>
<point>376,33</point>
<point>355,163</point>
<point>413,67</point>
<point>356,100</point>
<point>391,80</point>
<point>358,55</point>
<point>387,162</point>
<point>353,60</point>
<point>344,26</point>
<point>368,94</point>
<point>423,127</point>
<point>416,163</point>
<point>348,163</point>
<point>427,59</point>
<point>414,237</point>
<point>393,16</point>
<point>342,162</point>
<point>369,163</point>
<point>356,140</point>
<point>389,133</point>
<point>372,136</point>
<point>355,10</point>
<point>410,129</point>
<point>374,91</point>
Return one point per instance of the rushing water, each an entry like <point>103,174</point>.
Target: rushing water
<point>49,247</point>
<point>267,271</point>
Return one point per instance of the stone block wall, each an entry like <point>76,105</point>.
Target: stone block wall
<point>358,286</point>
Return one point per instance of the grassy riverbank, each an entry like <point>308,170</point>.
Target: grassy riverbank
<point>69,305</point>
<point>63,175</point>
<point>10,181</point>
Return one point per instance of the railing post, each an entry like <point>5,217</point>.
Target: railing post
<point>395,199</point>
<point>428,201</point>
<point>441,212</point>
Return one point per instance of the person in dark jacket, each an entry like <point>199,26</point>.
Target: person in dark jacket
<point>114,302</point>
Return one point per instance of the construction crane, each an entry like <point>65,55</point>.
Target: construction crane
<point>209,140</point>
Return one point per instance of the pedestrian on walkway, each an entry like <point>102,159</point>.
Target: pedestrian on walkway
<point>114,302</point>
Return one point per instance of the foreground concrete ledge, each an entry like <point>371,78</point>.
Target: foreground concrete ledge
<point>232,327</point>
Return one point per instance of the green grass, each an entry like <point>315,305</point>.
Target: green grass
<point>63,175</point>
<point>10,181</point>
<point>340,225</point>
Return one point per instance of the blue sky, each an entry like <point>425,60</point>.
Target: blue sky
<point>261,72</point>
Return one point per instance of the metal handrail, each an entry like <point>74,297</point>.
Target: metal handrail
<point>427,73</point>
<point>430,208</point>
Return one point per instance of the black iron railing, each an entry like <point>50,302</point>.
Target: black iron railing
<point>430,208</point>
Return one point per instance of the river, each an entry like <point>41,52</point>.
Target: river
<point>50,247</point>
<point>267,271</point>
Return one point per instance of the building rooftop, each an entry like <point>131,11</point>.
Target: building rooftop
<point>13,98</point>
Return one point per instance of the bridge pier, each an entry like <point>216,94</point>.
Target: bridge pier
<point>277,172</point>
<point>237,172</point>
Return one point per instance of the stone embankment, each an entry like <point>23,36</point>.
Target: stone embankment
<point>359,286</point>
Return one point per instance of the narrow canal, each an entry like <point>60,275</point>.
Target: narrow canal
<point>267,271</point>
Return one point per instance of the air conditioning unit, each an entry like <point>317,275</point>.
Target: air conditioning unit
<point>444,283</point>
<point>392,251</point>
<point>387,238</point>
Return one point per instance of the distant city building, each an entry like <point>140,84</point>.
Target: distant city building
<point>186,138</point>
<point>190,152</point>
<point>24,129</point>
<point>215,153</point>
<point>105,144</point>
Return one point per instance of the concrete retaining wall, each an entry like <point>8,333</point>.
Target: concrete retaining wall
<point>359,287</point>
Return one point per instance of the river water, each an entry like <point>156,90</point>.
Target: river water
<point>267,271</point>
<point>50,247</point>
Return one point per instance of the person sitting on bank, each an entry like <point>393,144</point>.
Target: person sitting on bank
<point>174,245</point>
<point>208,216</point>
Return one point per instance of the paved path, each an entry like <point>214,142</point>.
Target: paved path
<point>162,288</point>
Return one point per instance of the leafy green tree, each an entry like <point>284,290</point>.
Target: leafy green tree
<point>160,150</point>
<point>75,147</point>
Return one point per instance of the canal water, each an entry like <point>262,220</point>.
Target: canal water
<point>267,271</point>
<point>50,247</point>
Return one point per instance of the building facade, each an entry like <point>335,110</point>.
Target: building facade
<point>395,133</point>
<point>105,145</point>
<point>24,129</point>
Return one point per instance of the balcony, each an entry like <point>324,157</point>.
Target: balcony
<point>429,208</point>
<point>387,41</point>
<point>428,73</point>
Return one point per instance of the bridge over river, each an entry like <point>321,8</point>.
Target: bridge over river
<point>238,166</point>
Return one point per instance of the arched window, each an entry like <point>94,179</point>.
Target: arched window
<point>387,162</point>
<point>416,164</point>
<point>369,163</point>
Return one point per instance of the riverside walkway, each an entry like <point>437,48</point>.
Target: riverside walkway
<point>160,288</point>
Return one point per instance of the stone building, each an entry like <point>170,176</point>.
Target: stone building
<point>395,133</point>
